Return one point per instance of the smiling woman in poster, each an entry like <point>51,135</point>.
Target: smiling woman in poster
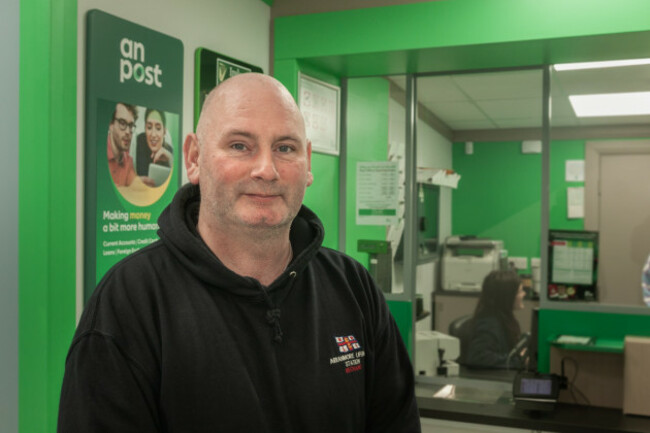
<point>152,149</point>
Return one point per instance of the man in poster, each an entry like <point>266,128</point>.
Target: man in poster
<point>120,133</point>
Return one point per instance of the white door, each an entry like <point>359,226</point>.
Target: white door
<point>617,205</point>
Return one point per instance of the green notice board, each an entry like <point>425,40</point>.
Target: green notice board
<point>212,68</point>
<point>134,102</point>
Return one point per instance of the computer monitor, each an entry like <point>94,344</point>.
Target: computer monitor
<point>572,265</point>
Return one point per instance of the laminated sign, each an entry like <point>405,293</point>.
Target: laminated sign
<point>134,96</point>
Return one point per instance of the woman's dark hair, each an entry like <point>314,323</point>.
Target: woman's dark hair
<point>497,300</point>
<point>153,110</point>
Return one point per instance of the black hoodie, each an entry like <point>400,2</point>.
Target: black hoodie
<point>173,341</point>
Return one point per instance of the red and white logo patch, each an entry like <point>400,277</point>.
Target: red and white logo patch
<point>347,344</point>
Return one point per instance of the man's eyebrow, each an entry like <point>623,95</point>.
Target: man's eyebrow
<point>248,134</point>
<point>238,132</point>
<point>287,138</point>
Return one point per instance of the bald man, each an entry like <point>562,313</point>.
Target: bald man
<point>238,320</point>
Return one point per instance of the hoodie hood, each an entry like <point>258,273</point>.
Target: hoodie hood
<point>179,233</point>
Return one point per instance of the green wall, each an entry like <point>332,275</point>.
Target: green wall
<point>367,140</point>
<point>499,193</point>
<point>47,205</point>
<point>465,34</point>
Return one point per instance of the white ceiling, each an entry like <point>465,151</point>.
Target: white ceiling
<point>513,99</point>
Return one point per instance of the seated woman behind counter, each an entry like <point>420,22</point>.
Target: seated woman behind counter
<point>493,332</point>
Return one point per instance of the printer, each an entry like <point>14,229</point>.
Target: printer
<point>467,260</point>
<point>435,354</point>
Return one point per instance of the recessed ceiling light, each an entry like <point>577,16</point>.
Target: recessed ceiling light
<point>611,104</point>
<point>598,65</point>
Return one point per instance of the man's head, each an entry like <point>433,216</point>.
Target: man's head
<point>250,155</point>
<point>121,127</point>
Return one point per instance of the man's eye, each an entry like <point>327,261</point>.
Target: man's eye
<point>238,146</point>
<point>285,148</point>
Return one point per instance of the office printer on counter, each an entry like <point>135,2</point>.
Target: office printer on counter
<point>467,260</point>
<point>435,354</point>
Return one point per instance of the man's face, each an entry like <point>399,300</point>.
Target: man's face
<point>254,165</point>
<point>121,128</point>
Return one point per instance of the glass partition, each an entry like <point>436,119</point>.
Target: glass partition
<point>479,147</point>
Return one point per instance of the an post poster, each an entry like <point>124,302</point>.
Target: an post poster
<point>133,148</point>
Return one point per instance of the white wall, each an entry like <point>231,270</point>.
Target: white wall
<point>235,28</point>
<point>9,53</point>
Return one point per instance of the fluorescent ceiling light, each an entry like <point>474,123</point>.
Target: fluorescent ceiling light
<point>598,65</point>
<point>611,104</point>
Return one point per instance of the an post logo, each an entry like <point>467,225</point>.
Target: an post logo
<point>132,64</point>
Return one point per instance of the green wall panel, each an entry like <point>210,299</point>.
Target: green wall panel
<point>367,140</point>
<point>47,205</point>
<point>497,33</point>
<point>498,195</point>
<point>403,314</point>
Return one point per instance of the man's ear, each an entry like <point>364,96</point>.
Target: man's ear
<point>191,153</point>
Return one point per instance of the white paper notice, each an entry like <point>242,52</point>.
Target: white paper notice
<point>575,170</point>
<point>377,193</point>
<point>575,202</point>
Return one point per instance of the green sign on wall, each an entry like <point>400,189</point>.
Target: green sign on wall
<point>212,69</point>
<point>134,96</point>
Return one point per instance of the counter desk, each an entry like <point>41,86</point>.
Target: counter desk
<point>487,402</point>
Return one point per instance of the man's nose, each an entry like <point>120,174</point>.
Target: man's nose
<point>264,166</point>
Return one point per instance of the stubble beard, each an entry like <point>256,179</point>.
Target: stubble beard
<point>222,209</point>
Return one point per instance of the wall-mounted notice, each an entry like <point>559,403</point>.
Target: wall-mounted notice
<point>574,170</point>
<point>211,70</point>
<point>377,193</point>
<point>134,100</point>
<point>575,202</point>
<point>320,106</point>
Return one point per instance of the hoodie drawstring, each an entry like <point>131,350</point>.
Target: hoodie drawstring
<point>273,313</point>
<point>273,319</point>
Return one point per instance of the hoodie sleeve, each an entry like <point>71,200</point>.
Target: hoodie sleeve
<point>105,391</point>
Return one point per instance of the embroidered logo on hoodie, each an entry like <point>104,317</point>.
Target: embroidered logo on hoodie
<point>350,347</point>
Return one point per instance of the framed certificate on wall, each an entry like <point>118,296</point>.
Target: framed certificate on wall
<point>320,106</point>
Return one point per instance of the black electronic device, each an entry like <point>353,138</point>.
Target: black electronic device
<point>536,391</point>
